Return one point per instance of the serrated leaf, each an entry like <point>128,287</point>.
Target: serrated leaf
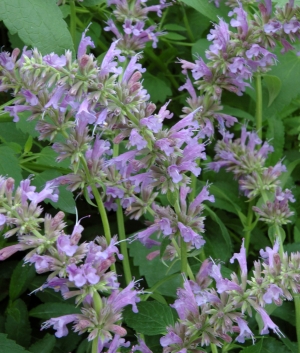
<point>21,279</point>
<point>155,270</point>
<point>256,348</point>
<point>9,346</point>
<point>49,310</point>
<point>273,84</point>
<point>152,318</point>
<point>45,345</point>
<point>174,36</point>
<point>17,324</point>
<point>39,23</point>
<point>9,164</point>
<point>208,9</point>
<point>65,201</point>
<point>156,87</point>
<point>275,133</point>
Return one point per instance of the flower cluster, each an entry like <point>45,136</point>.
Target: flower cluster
<point>233,59</point>
<point>133,35</point>
<point>210,316</point>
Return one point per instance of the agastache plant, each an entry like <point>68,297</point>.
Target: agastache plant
<point>122,154</point>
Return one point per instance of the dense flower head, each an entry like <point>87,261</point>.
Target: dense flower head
<point>187,226</point>
<point>246,157</point>
<point>225,309</point>
<point>277,212</point>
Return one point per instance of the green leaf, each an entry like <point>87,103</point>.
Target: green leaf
<point>174,27</point>
<point>287,71</point>
<point>152,318</point>
<point>200,46</point>
<point>21,279</point>
<point>224,230</point>
<point>10,133</point>
<point>65,201</point>
<point>172,197</point>
<point>49,310</point>
<point>271,345</point>
<point>88,3</point>
<point>45,345</point>
<point>237,113</point>
<point>155,270</point>
<point>255,348</point>
<point>275,133</point>
<point>48,157</point>
<point>17,324</point>
<point>157,88</point>
<point>292,346</point>
<point>39,23</point>
<point>273,84</point>
<point>285,312</point>
<point>208,9</point>
<point>174,36</point>
<point>9,164</point>
<point>9,346</point>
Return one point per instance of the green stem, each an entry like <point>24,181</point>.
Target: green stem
<point>123,244</point>
<point>183,256</point>
<point>95,345</point>
<point>214,348</point>
<point>8,103</point>
<point>100,205</point>
<point>73,20</point>
<point>187,25</point>
<point>297,309</point>
<point>122,234</point>
<point>259,105</point>
<point>278,233</point>
<point>248,225</point>
<point>124,108</point>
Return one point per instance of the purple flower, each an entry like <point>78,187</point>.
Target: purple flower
<point>189,236</point>
<point>15,109</point>
<point>49,192</point>
<point>30,97</point>
<point>268,323</point>
<point>137,140</point>
<point>240,21</point>
<point>55,61</point>
<point>108,64</point>
<point>273,293</point>
<point>120,299</point>
<point>7,61</point>
<point>42,263</point>
<point>60,324</point>
<point>5,253</point>
<point>58,284</point>
<point>84,113</point>
<point>64,245</point>
<point>84,43</point>
<point>245,331</point>
<point>268,255</point>
<point>242,260</point>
